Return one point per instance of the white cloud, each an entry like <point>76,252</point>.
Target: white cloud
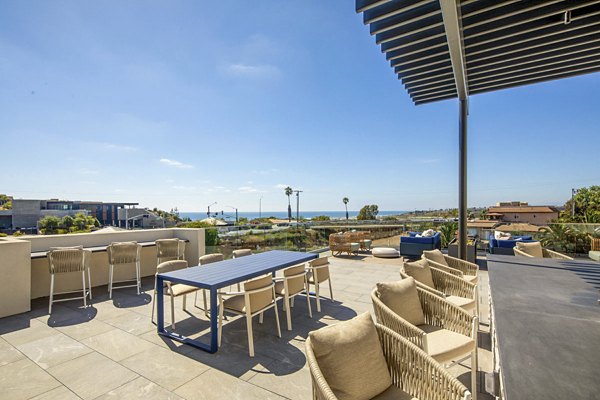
<point>181,187</point>
<point>281,186</point>
<point>118,147</point>
<point>250,189</point>
<point>265,171</point>
<point>429,160</point>
<point>174,163</point>
<point>252,71</point>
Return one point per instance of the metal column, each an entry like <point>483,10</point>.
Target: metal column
<point>462,179</point>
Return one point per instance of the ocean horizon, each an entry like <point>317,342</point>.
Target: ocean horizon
<point>230,215</point>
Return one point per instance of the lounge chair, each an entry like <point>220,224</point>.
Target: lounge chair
<point>535,249</point>
<point>361,359</point>
<point>444,331</point>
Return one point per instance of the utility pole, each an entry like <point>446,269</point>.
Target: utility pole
<point>208,212</point>
<point>298,207</point>
<point>236,213</point>
<point>260,207</point>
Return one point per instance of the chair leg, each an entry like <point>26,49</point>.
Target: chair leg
<point>184,301</point>
<point>51,293</point>
<point>110,280</point>
<point>172,312</point>
<point>84,292</point>
<point>330,290</point>
<point>205,303</point>
<point>220,327</point>
<point>153,304</point>
<point>292,301</point>
<point>317,296</point>
<point>89,283</point>
<point>288,313</point>
<point>277,319</point>
<point>261,317</point>
<point>308,300</point>
<point>137,277</point>
<point>250,337</point>
<point>474,375</point>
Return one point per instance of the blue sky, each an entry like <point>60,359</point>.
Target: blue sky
<point>183,103</point>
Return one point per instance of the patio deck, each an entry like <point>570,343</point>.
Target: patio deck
<point>111,349</point>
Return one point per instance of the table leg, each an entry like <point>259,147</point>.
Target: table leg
<point>214,315</point>
<point>160,305</point>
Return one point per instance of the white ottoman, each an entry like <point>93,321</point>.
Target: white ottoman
<point>385,252</point>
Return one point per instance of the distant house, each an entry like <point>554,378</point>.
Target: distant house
<point>519,212</point>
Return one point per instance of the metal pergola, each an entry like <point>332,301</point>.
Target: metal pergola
<point>445,49</point>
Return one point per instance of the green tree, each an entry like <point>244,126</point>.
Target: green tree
<point>345,200</point>
<point>448,232</point>
<point>67,222</point>
<point>49,224</point>
<point>288,192</point>
<point>80,221</point>
<point>321,218</point>
<point>242,221</point>
<point>368,212</point>
<point>5,202</point>
<point>585,204</point>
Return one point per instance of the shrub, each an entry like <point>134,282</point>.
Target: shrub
<point>18,233</point>
<point>3,234</point>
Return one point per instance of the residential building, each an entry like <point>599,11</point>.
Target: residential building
<point>523,213</point>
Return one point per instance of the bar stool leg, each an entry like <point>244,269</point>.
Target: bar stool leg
<point>51,293</point>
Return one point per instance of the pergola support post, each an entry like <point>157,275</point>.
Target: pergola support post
<point>462,178</point>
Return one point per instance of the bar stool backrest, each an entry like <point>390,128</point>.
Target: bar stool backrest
<point>66,260</point>
<point>242,253</point>
<point>210,258</point>
<point>261,293</point>
<point>123,252</point>
<point>169,249</point>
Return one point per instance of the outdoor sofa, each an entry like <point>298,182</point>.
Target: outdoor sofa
<point>505,246</point>
<point>413,246</point>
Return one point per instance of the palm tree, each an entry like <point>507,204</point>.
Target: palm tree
<point>345,200</point>
<point>288,193</point>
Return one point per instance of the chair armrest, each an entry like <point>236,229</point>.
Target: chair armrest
<point>387,317</point>
<point>445,268</point>
<point>320,387</point>
<point>521,253</point>
<point>440,312</point>
<point>415,372</point>
<point>452,285</point>
<point>555,254</point>
<point>466,267</point>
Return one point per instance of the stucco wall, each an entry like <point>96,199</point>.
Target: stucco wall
<point>15,271</point>
<point>38,277</point>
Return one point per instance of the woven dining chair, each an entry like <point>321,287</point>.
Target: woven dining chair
<point>241,253</point>
<point>444,331</point>
<point>455,266</point>
<point>170,289</point>
<point>450,287</point>
<point>318,272</point>
<point>535,249</point>
<point>203,260</point>
<point>63,260</point>
<point>361,359</point>
<point>257,297</point>
<point>169,250</point>
<point>293,283</point>
<point>122,254</point>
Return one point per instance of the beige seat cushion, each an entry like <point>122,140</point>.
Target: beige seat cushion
<point>236,303</point>
<point>403,299</point>
<point>435,256</point>
<point>421,271</point>
<point>394,393</point>
<point>444,345</point>
<point>534,249</point>
<point>180,289</point>
<point>463,302</point>
<point>471,278</point>
<point>350,357</point>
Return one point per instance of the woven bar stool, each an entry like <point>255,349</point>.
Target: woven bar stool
<point>169,250</point>
<point>123,254</point>
<point>66,260</point>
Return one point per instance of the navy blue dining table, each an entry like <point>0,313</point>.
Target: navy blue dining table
<point>217,275</point>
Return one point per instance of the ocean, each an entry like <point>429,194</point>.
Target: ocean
<point>230,215</point>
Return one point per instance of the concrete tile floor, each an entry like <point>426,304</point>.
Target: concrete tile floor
<point>111,350</point>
